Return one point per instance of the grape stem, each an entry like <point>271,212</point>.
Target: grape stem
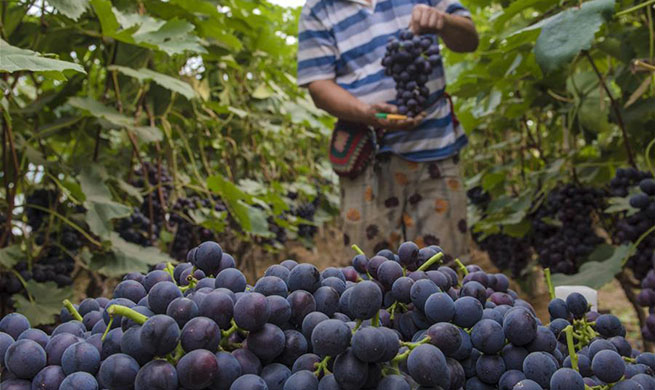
<point>104,335</point>
<point>376,319</point>
<point>394,306</point>
<point>432,260</point>
<point>549,283</point>
<point>322,367</point>
<point>462,267</point>
<point>170,270</point>
<point>358,249</point>
<point>125,311</point>
<point>227,333</point>
<point>411,346</point>
<point>569,343</point>
<point>358,324</point>
<point>401,357</point>
<point>71,309</point>
<point>176,355</point>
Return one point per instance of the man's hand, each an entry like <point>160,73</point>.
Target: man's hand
<point>387,124</point>
<point>427,20</point>
<point>329,96</point>
<point>457,32</point>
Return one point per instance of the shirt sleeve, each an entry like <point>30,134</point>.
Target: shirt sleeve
<point>317,49</point>
<point>453,7</point>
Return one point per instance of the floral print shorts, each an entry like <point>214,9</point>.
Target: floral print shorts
<point>396,200</point>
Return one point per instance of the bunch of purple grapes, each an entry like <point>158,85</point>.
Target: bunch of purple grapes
<point>187,233</point>
<point>143,226</point>
<point>505,252</point>
<point>632,226</point>
<point>624,179</point>
<point>563,226</point>
<point>410,60</point>
<point>394,321</point>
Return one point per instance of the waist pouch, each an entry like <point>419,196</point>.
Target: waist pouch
<point>352,148</point>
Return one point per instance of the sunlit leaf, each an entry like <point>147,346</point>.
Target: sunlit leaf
<point>605,262</point>
<point>10,255</point>
<point>15,59</point>
<point>168,82</point>
<point>99,110</point>
<point>71,8</point>
<point>566,34</point>
<point>126,257</point>
<point>101,209</point>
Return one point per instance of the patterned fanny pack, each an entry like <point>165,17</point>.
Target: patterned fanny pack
<point>352,148</point>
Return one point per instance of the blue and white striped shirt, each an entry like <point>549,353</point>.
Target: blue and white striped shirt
<point>345,41</point>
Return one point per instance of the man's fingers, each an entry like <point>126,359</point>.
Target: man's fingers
<point>434,19</point>
<point>415,21</point>
<point>425,19</point>
<point>440,21</point>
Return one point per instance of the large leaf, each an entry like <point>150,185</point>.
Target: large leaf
<point>71,8</point>
<point>15,59</point>
<point>99,110</point>
<point>46,303</point>
<point>163,80</point>
<point>101,209</point>
<point>10,255</point>
<point>565,34</point>
<point>171,36</point>
<point>126,257</point>
<point>605,262</point>
<point>251,219</point>
<point>516,7</point>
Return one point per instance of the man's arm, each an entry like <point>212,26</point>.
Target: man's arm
<point>457,32</point>
<point>329,96</point>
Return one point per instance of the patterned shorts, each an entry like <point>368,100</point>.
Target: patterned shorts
<point>395,200</point>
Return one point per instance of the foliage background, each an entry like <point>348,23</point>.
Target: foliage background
<point>205,89</point>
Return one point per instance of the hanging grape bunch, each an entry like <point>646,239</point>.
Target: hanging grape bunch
<point>632,227</point>
<point>564,245</point>
<point>410,60</point>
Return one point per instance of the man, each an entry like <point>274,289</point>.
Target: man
<point>412,189</point>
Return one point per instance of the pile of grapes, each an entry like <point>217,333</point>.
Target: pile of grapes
<point>410,59</point>
<point>395,321</point>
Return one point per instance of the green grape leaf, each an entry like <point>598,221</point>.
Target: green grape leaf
<point>126,257</point>
<point>262,92</point>
<point>251,219</point>
<point>168,82</point>
<point>514,8</point>
<point>170,36</point>
<point>604,262</point>
<point>71,8</point>
<point>10,255</point>
<point>101,209</point>
<point>95,108</point>
<point>564,35</point>
<point>46,302</point>
<point>15,59</point>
